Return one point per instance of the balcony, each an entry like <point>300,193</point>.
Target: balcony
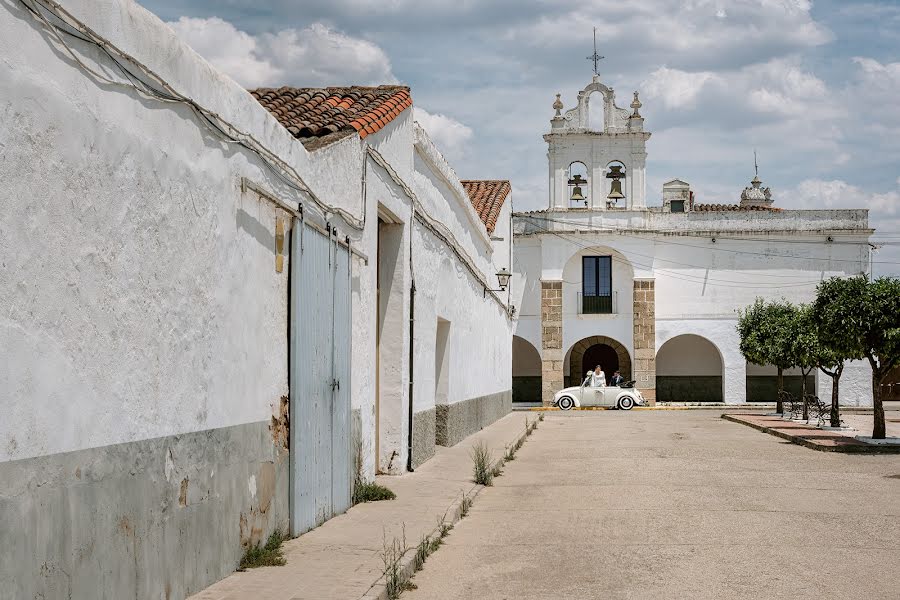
<point>597,305</point>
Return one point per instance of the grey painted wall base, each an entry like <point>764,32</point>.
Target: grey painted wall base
<point>454,422</point>
<point>526,388</point>
<point>158,518</point>
<point>764,388</point>
<point>423,436</point>
<point>695,388</point>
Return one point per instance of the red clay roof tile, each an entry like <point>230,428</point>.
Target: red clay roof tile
<point>487,196</point>
<point>310,113</point>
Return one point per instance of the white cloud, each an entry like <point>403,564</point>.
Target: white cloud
<point>313,56</point>
<point>448,134</point>
<point>677,89</point>
<point>836,193</point>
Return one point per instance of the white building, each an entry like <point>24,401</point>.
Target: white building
<point>652,289</point>
<point>208,304</point>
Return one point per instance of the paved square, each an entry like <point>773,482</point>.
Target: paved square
<point>673,504</point>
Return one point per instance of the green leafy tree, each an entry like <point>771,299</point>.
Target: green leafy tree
<point>766,330</point>
<point>858,317</point>
<point>805,346</point>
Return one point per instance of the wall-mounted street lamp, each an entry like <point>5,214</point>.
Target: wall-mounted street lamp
<point>503,279</point>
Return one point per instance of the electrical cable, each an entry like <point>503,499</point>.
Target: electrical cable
<point>642,236</point>
<point>225,130</point>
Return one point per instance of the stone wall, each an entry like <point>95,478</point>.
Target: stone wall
<point>551,340</point>
<point>645,338</point>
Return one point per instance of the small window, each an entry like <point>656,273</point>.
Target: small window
<point>596,284</point>
<point>677,206</point>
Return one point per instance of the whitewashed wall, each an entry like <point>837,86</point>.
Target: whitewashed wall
<point>700,285</point>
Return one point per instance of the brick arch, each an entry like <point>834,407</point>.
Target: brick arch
<point>576,354</point>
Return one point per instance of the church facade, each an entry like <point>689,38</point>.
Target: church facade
<point>652,287</point>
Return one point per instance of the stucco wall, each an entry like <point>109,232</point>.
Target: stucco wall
<point>700,285</point>
<point>145,332</point>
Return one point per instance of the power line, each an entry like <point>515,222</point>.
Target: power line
<point>710,237</point>
<point>687,277</point>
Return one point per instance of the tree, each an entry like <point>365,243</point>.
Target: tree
<point>765,329</point>
<point>805,347</point>
<point>858,317</point>
<point>831,362</point>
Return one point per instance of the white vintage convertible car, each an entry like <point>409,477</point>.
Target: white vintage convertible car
<point>623,396</point>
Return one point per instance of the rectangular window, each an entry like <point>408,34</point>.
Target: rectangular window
<point>677,206</point>
<point>596,287</point>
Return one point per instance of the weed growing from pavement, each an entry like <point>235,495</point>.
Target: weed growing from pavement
<point>366,491</point>
<point>391,555</point>
<point>464,506</point>
<point>369,491</point>
<point>481,459</point>
<point>510,453</point>
<point>270,555</point>
<point>541,417</point>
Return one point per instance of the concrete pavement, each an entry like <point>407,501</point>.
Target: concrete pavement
<point>673,504</point>
<point>342,559</point>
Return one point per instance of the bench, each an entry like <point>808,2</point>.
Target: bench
<point>790,404</point>
<point>821,410</point>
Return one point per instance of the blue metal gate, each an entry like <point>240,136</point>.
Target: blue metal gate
<point>320,445</point>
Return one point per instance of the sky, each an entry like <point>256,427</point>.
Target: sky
<point>813,87</point>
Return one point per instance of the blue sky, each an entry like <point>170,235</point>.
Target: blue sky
<point>814,87</point>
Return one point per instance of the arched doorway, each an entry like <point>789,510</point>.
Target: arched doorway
<point>598,350</point>
<point>689,369</point>
<point>526,371</point>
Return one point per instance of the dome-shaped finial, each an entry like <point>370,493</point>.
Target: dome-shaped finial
<point>636,104</point>
<point>558,105</point>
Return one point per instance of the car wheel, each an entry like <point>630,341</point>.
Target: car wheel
<point>566,403</point>
<point>626,403</point>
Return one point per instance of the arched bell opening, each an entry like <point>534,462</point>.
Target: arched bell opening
<point>615,173</point>
<point>578,185</point>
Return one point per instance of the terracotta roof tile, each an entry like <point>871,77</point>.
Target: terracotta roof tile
<point>487,196</point>
<point>310,114</point>
<point>732,207</point>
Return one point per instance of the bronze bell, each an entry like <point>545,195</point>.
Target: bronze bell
<point>576,194</point>
<point>615,190</point>
<point>615,187</point>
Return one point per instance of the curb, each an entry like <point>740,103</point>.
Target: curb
<point>378,590</point>
<point>849,449</point>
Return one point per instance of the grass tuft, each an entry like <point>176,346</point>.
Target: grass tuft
<point>481,459</point>
<point>269,555</point>
<point>464,506</point>
<point>369,491</point>
<point>541,417</point>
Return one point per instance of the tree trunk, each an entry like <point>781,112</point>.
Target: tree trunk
<point>878,407</point>
<point>803,375</point>
<point>779,405</point>
<point>835,403</point>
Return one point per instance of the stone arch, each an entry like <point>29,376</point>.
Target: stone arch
<point>576,355</point>
<point>689,368</point>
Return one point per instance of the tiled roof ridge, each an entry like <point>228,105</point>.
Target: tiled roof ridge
<point>487,197</point>
<point>308,112</point>
<point>733,207</point>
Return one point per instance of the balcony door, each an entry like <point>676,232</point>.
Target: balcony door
<point>596,285</point>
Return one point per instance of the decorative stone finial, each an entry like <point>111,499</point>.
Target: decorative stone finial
<point>636,104</point>
<point>558,105</point>
<point>755,195</point>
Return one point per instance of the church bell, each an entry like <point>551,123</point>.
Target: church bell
<point>577,194</point>
<point>615,187</point>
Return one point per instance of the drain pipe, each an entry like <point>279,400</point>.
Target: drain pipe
<point>412,328</point>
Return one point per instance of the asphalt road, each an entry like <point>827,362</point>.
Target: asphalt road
<point>673,504</point>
